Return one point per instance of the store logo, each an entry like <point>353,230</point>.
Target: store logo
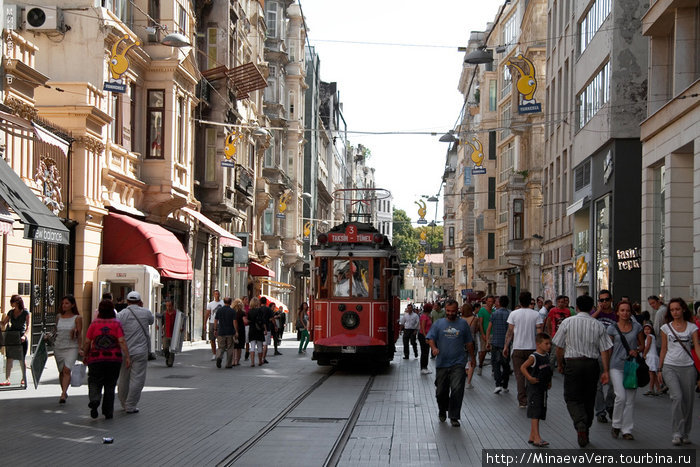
<point>477,157</point>
<point>230,148</point>
<point>118,66</point>
<point>422,211</point>
<point>526,85</point>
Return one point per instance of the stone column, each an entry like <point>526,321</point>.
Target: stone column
<point>678,258</point>
<point>695,293</point>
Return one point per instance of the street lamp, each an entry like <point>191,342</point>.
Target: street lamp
<point>175,39</point>
<point>479,56</point>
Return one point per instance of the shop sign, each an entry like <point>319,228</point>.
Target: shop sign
<point>227,256</point>
<point>477,157</point>
<point>526,84</point>
<point>422,211</point>
<point>118,66</point>
<point>230,148</point>
<point>629,259</point>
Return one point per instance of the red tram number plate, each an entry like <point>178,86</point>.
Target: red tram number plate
<point>348,349</point>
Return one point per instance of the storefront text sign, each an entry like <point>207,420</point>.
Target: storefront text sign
<point>629,259</point>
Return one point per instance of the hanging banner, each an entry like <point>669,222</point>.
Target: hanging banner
<point>307,231</point>
<point>118,65</point>
<point>526,84</point>
<point>477,157</point>
<point>230,148</point>
<point>423,238</point>
<point>422,211</point>
<point>285,198</point>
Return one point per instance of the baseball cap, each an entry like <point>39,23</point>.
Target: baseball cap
<point>133,296</point>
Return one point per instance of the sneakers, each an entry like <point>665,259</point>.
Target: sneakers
<point>469,386</point>
<point>521,406</point>
<point>478,371</point>
<point>134,410</point>
<point>425,371</point>
<point>454,422</point>
<point>582,438</point>
<point>218,362</point>
<point>497,390</point>
<point>443,416</point>
<point>677,441</point>
<point>213,357</point>
<point>506,390</point>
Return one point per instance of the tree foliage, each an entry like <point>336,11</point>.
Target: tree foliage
<point>407,238</point>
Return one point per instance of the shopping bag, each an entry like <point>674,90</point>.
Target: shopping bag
<point>629,375</point>
<point>77,375</point>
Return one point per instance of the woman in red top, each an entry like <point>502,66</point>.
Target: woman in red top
<point>103,350</point>
<point>424,326</point>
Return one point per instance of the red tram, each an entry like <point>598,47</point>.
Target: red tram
<point>355,301</point>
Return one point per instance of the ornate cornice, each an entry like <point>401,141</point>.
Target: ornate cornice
<point>20,108</point>
<point>90,143</point>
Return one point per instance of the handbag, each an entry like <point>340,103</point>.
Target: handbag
<point>77,375</point>
<point>151,355</point>
<point>642,369</point>
<point>629,375</point>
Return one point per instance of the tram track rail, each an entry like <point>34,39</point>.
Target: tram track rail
<point>336,452</point>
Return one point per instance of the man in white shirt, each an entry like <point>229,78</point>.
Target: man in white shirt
<point>409,323</point>
<point>210,320</point>
<point>523,325</point>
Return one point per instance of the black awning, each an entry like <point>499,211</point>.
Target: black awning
<point>39,223</point>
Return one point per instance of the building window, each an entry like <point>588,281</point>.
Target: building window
<point>491,248</point>
<point>492,145</point>
<point>156,113</point>
<point>268,225</point>
<point>507,82</point>
<point>271,19</point>
<point>505,121</point>
<point>503,208</point>
<point>132,118</point>
<point>212,51</point>
<point>154,19</point>
<point>492,193</point>
<point>493,94</point>
<point>582,175</point>
<point>181,25</point>
<point>518,212</point>
<point>179,111</point>
<point>116,126</point>
<point>210,151</point>
<point>593,20</point>
<point>507,161</point>
<point>270,154</point>
<point>511,29</point>
<point>451,237</point>
<point>594,96</point>
<point>121,8</point>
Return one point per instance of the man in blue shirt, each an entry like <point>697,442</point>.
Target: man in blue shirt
<point>496,338</point>
<point>447,339</point>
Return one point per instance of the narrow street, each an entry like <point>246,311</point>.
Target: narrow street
<point>293,412</point>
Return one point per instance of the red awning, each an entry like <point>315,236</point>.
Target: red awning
<point>276,302</point>
<point>225,238</point>
<point>130,241</point>
<point>257,269</point>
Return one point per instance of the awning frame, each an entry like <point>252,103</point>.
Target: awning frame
<point>226,238</point>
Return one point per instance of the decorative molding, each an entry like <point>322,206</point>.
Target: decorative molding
<point>20,108</point>
<point>90,143</point>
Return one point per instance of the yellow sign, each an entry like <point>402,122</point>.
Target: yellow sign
<point>284,199</point>
<point>581,268</point>
<point>526,84</point>
<point>423,235</point>
<point>230,144</point>
<point>477,156</point>
<point>421,254</point>
<point>422,211</point>
<point>307,229</point>
<point>118,65</point>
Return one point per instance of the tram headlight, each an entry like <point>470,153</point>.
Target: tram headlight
<point>350,320</point>
<point>378,238</point>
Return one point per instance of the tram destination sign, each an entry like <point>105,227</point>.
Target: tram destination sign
<point>335,237</point>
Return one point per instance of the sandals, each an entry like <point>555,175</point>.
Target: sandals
<point>541,444</point>
<point>6,383</point>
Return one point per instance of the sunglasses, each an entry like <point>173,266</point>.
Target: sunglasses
<point>604,299</point>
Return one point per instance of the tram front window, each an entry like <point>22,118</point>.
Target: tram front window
<point>350,278</point>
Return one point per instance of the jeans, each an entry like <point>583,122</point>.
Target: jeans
<point>681,389</point>
<point>409,335</point>
<point>501,367</point>
<point>102,378</point>
<point>424,352</point>
<point>519,357</point>
<point>132,380</point>
<point>604,403</point>
<point>449,389</point>
<point>623,411</point>
<point>580,379</point>
<point>304,340</point>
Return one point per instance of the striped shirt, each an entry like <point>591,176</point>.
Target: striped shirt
<point>582,336</point>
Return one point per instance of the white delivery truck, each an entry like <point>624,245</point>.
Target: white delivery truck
<point>120,279</point>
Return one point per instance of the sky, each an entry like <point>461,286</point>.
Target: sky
<point>387,88</point>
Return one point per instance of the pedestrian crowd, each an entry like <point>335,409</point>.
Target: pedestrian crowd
<point>606,351</point>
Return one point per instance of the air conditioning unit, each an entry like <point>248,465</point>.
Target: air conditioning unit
<point>42,18</point>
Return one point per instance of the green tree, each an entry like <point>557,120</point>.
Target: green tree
<point>405,237</point>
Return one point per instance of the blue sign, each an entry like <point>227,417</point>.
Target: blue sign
<point>280,216</point>
<point>114,86</point>
<point>421,221</point>
<point>530,108</point>
<point>228,163</point>
<point>478,170</point>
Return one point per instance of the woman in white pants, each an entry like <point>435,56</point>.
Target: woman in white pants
<point>676,366</point>
<point>632,333</point>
